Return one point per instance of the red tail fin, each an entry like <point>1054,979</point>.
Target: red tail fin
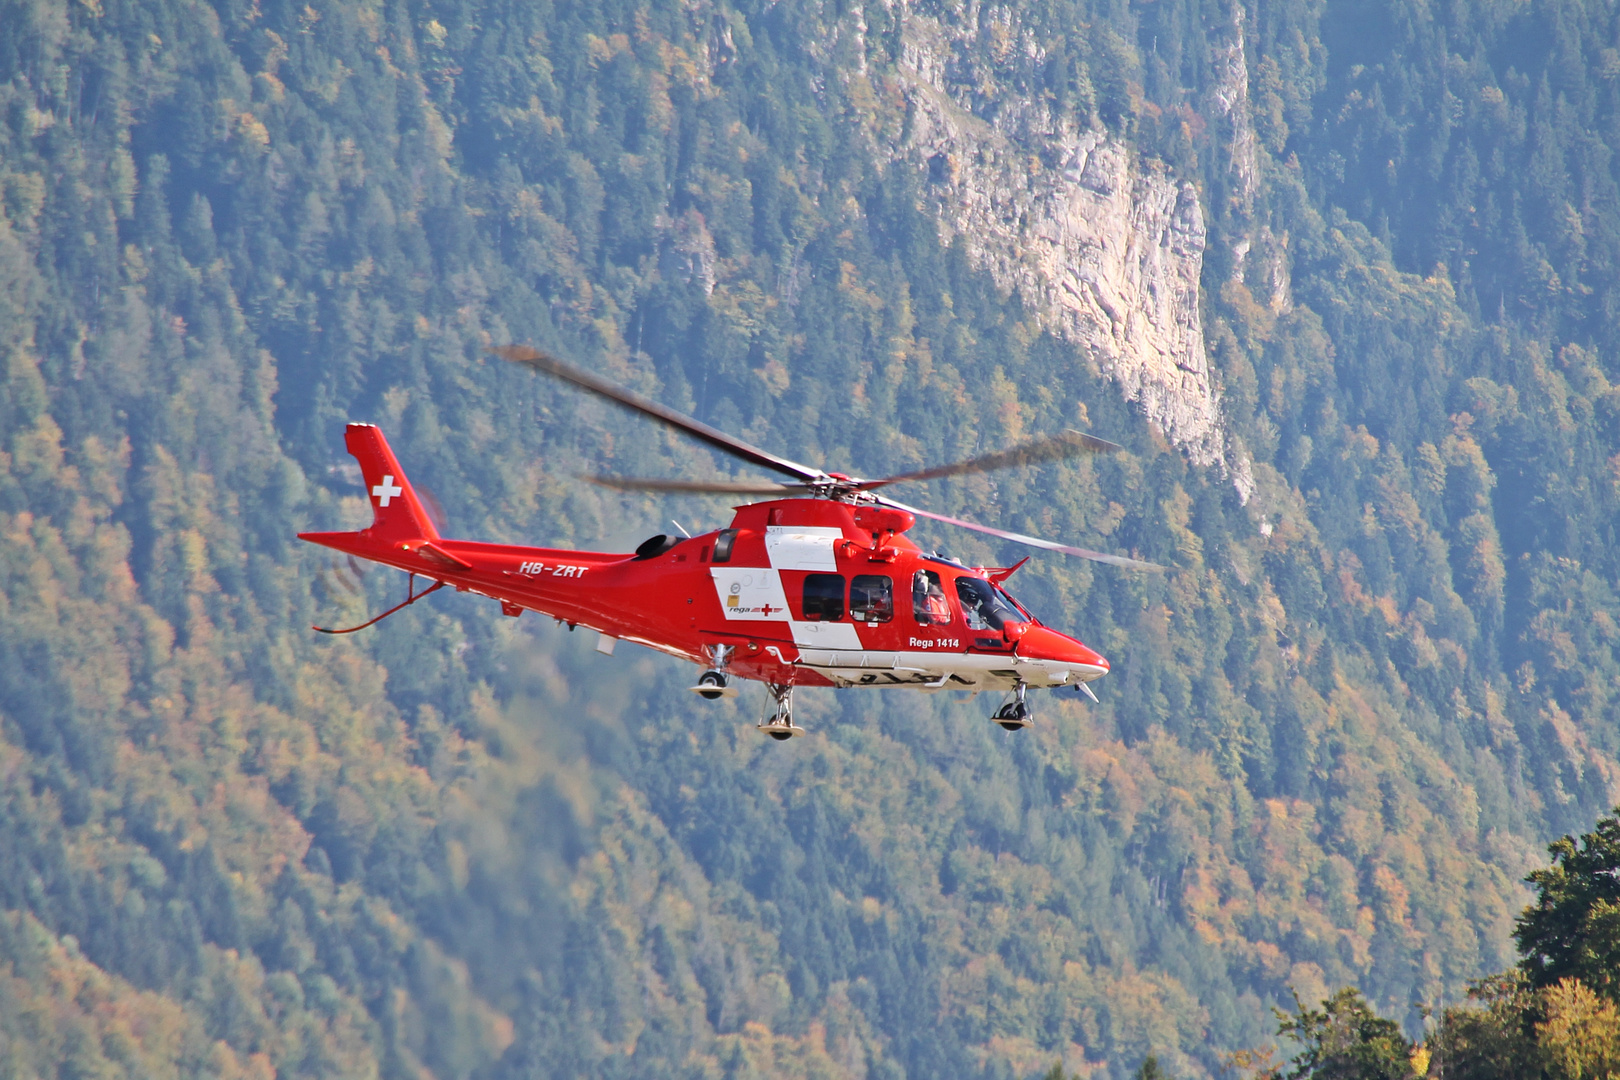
<point>399,512</point>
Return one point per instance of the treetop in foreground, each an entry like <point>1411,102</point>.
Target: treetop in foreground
<point>1572,930</point>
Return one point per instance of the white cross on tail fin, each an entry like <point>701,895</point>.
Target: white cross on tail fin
<point>386,490</point>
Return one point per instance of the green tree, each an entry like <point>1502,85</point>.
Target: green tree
<point>1150,1069</point>
<point>1345,1040</point>
<point>1572,930</point>
<point>1490,1038</point>
<point>1578,1032</point>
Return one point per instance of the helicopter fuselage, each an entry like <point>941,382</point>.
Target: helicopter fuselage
<point>808,592</point>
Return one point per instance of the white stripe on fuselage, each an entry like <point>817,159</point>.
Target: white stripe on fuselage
<point>754,593</point>
<point>982,671</point>
<point>802,547</point>
<point>826,635</point>
<point>750,593</point>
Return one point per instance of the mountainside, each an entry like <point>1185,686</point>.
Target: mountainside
<point>1341,277</point>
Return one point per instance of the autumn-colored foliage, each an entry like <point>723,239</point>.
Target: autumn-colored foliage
<point>1336,734</point>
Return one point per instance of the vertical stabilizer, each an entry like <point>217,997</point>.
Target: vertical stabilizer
<point>399,513</point>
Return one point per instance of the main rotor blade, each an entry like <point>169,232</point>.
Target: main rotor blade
<point>701,487</point>
<point>1032,541</point>
<point>550,365</point>
<point>1052,448</point>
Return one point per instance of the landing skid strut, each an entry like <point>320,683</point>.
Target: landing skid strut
<point>412,597</point>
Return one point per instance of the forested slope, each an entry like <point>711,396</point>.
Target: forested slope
<point>1337,732</point>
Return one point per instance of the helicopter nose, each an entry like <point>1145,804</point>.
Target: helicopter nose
<point>1042,643</point>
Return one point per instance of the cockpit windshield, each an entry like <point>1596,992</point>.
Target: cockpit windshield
<point>984,606</point>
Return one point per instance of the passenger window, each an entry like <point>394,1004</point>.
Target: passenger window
<point>928,599</point>
<point>871,598</point>
<point>823,597</point>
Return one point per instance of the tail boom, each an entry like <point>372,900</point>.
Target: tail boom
<point>556,582</point>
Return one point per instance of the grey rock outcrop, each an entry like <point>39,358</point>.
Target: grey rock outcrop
<point>687,251</point>
<point>1107,249</point>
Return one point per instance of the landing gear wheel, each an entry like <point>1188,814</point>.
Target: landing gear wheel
<point>780,726</point>
<point>711,685</point>
<point>1015,714</point>
<point>715,683</point>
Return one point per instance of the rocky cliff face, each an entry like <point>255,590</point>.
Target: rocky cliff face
<point>1107,248</point>
<point>1229,100</point>
<point>1259,256</point>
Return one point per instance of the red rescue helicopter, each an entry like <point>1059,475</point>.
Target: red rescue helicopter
<point>821,589</point>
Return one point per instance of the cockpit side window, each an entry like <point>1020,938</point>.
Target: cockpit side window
<point>928,604</point>
<point>983,605</point>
